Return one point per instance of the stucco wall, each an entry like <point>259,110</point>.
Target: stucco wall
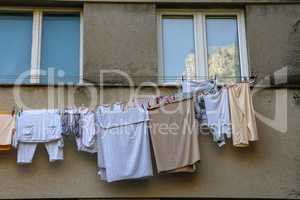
<point>273,35</point>
<point>269,168</point>
<point>120,37</point>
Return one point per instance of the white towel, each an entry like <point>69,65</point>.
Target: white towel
<point>123,145</point>
<point>86,141</point>
<point>190,86</point>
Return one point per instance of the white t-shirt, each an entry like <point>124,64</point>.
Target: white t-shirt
<point>218,116</point>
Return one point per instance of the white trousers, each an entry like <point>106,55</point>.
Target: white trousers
<point>26,151</point>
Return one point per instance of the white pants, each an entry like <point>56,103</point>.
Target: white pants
<point>26,151</point>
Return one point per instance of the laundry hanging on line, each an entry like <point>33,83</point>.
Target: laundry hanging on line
<point>7,131</point>
<point>174,136</point>
<point>218,116</point>
<point>176,149</point>
<point>123,143</point>
<point>225,111</point>
<point>244,127</point>
<point>38,126</point>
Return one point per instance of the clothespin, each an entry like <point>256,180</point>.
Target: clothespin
<point>252,80</point>
<point>61,111</point>
<point>157,100</point>
<point>21,110</point>
<point>13,111</point>
<point>215,78</point>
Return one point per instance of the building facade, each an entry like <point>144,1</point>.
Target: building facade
<point>62,53</point>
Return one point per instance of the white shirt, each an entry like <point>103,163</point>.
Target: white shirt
<point>218,116</point>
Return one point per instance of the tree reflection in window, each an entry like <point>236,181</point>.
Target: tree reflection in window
<point>223,48</point>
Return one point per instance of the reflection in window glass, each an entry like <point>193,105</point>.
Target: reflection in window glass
<point>178,47</point>
<point>15,46</point>
<point>223,48</point>
<point>61,47</point>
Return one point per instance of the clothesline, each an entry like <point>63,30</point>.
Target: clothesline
<point>121,137</point>
<point>171,98</point>
<point>12,76</point>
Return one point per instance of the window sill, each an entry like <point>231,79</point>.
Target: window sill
<point>168,85</point>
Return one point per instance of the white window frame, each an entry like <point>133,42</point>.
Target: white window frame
<point>37,14</point>
<point>199,16</point>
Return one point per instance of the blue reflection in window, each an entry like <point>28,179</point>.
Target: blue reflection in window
<point>60,56</point>
<point>178,47</point>
<point>15,47</point>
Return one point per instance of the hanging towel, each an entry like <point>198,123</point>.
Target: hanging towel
<point>86,138</point>
<point>218,116</point>
<point>242,115</point>
<point>123,144</point>
<point>190,86</point>
<point>7,129</point>
<point>174,135</point>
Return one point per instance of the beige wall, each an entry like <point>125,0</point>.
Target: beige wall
<point>269,168</point>
<point>120,37</point>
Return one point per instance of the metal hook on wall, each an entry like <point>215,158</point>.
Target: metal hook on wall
<point>296,97</point>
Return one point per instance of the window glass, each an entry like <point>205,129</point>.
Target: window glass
<point>15,46</point>
<point>178,47</point>
<point>223,48</point>
<point>60,54</point>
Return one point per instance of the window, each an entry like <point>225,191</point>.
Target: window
<point>178,43</point>
<point>61,47</point>
<point>15,48</point>
<point>199,45</point>
<point>41,46</point>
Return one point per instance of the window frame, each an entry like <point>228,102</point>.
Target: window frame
<point>200,42</point>
<point>37,14</point>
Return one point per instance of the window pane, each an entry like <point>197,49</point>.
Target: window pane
<point>15,46</point>
<point>178,47</point>
<point>222,47</point>
<point>60,48</point>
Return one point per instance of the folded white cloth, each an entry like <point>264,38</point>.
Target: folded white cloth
<point>205,86</point>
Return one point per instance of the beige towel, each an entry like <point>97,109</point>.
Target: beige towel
<point>174,135</point>
<point>7,127</point>
<point>242,115</point>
